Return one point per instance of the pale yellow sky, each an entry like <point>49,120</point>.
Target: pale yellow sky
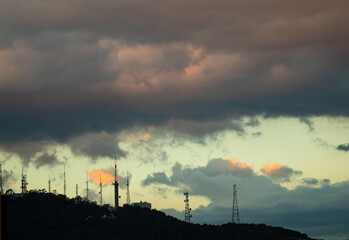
<point>284,140</point>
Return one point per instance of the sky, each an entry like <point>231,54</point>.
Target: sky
<point>188,96</point>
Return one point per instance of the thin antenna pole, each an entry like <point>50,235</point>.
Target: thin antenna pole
<point>87,186</point>
<point>1,188</point>
<point>116,187</point>
<point>128,198</point>
<point>49,183</point>
<point>77,190</point>
<point>100,188</point>
<point>235,215</point>
<point>65,183</point>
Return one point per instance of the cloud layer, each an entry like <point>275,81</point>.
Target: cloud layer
<point>75,67</point>
<point>315,207</point>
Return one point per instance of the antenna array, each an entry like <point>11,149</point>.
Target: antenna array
<point>235,215</point>
<point>187,215</point>
<point>24,182</point>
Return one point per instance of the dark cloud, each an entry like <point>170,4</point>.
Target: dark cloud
<point>8,178</point>
<point>123,180</point>
<point>46,159</point>
<point>310,181</point>
<point>213,168</point>
<point>158,178</point>
<point>343,147</point>
<point>64,75</point>
<point>325,181</point>
<point>161,191</point>
<point>279,172</point>
<point>323,143</point>
<point>307,122</point>
<point>257,134</point>
<point>205,181</point>
<point>26,150</point>
<point>96,145</point>
<point>253,122</point>
<point>315,182</point>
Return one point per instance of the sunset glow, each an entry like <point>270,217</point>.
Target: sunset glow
<point>237,164</point>
<point>101,175</point>
<point>268,168</point>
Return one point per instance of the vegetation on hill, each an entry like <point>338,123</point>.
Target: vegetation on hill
<point>39,215</point>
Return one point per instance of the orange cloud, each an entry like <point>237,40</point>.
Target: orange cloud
<point>268,168</point>
<point>102,175</point>
<point>238,164</point>
<point>279,172</point>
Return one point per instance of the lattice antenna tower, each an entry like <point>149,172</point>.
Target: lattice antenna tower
<point>65,183</point>
<point>116,187</point>
<point>235,214</point>
<point>1,187</point>
<point>187,215</point>
<point>24,182</point>
<point>87,186</point>
<point>100,188</point>
<point>49,183</point>
<point>128,198</point>
<point>77,190</point>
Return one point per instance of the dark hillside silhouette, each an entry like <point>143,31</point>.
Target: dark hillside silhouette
<point>39,215</point>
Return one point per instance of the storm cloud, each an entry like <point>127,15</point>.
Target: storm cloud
<point>46,159</point>
<point>74,67</point>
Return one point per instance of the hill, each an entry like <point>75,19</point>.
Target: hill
<point>39,215</point>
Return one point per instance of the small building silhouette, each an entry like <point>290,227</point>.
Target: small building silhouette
<point>141,204</point>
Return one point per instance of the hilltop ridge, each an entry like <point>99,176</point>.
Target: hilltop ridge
<point>38,215</point>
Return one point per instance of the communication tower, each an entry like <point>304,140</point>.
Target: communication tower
<point>65,183</point>
<point>24,182</point>
<point>77,190</point>
<point>49,183</point>
<point>128,198</point>
<point>116,187</point>
<point>100,188</point>
<point>187,208</point>
<point>235,215</point>
<point>1,188</point>
<point>87,186</point>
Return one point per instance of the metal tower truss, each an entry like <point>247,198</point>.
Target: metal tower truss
<point>187,215</point>
<point>235,214</point>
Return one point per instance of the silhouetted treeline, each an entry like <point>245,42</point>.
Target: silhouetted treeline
<point>39,215</point>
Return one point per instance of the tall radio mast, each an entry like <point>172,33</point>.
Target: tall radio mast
<point>24,182</point>
<point>1,188</point>
<point>116,187</point>
<point>87,186</point>
<point>128,198</point>
<point>187,208</point>
<point>100,188</point>
<point>65,183</point>
<point>49,183</point>
<point>235,217</point>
